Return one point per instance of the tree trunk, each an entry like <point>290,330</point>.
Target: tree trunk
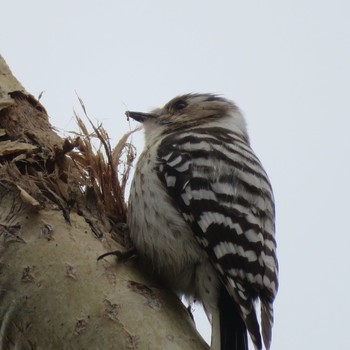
<point>56,219</point>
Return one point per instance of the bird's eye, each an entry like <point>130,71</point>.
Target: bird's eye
<point>180,104</point>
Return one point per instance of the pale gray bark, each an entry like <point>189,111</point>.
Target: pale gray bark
<point>54,294</point>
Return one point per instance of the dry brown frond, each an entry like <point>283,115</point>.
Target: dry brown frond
<point>81,173</point>
<point>104,170</point>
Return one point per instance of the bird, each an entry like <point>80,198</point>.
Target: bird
<point>201,215</point>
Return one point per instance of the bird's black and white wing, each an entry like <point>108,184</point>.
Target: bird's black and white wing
<point>223,193</point>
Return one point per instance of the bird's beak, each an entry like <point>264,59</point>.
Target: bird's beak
<point>139,116</point>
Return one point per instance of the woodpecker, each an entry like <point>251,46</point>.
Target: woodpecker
<point>201,214</point>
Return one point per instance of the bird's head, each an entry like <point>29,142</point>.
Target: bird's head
<point>191,110</point>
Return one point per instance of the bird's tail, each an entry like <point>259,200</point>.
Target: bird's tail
<point>266,321</point>
<point>233,331</point>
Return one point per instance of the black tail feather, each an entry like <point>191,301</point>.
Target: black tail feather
<point>232,328</point>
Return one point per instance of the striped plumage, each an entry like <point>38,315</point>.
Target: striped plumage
<point>201,213</point>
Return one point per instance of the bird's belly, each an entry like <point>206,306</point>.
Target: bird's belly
<point>160,234</point>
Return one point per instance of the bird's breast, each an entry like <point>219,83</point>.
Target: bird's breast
<point>157,229</point>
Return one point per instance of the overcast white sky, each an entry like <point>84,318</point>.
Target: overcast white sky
<point>285,63</point>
